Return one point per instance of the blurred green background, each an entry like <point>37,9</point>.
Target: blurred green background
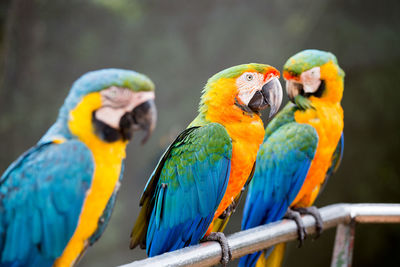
<point>45,45</point>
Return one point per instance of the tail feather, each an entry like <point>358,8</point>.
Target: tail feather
<point>275,257</point>
<point>272,257</point>
<point>220,224</point>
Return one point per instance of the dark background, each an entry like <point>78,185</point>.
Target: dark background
<point>46,44</point>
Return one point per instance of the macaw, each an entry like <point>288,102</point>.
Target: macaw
<point>207,165</point>
<point>56,199</point>
<point>302,148</point>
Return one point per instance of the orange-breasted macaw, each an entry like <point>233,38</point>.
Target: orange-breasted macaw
<point>302,147</point>
<point>207,165</point>
<point>56,199</point>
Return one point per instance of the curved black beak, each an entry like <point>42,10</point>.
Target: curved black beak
<point>144,118</point>
<point>270,95</point>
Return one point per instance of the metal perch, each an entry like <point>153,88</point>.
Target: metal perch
<point>342,216</point>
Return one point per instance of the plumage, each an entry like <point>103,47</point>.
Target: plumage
<point>28,196</point>
<point>281,167</point>
<point>205,167</point>
<point>302,147</point>
<point>283,160</point>
<point>186,188</point>
<point>56,199</point>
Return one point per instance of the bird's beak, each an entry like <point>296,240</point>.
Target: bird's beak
<point>272,92</point>
<point>293,89</point>
<point>270,95</point>
<point>144,118</point>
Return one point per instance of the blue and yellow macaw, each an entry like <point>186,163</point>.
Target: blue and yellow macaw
<point>302,147</point>
<point>56,199</point>
<point>206,167</point>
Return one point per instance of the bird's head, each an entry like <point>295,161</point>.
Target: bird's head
<point>111,104</point>
<point>247,88</point>
<point>313,73</point>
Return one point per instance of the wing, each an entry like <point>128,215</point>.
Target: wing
<point>221,222</point>
<point>184,191</point>
<point>281,168</point>
<point>41,196</point>
<point>336,160</point>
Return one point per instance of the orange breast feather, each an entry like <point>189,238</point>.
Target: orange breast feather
<point>247,133</point>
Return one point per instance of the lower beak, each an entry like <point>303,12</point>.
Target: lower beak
<point>270,95</point>
<point>145,118</point>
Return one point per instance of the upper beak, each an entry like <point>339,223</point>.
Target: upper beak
<point>270,95</point>
<point>272,92</point>
<point>145,118</point>
<point>293,89</point>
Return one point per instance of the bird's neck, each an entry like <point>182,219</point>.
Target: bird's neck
<point>218,105</point>
<point>58,131</point>
<point>81,126</point>
<point>334,83</point>
<point>107,159</point>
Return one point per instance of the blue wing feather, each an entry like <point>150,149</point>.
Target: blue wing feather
<point>41,196</point>
<point>184,190</point>
<point>281,167</point>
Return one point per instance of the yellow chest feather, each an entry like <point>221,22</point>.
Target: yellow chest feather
<point>108,159</point>
<point>327,119</point>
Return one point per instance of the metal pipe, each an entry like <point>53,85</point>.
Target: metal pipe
<point>261,237</point>
<point>375,213</point>
<point>344,243</point>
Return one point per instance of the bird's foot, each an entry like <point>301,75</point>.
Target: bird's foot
<point>228,211</point>
<point>221,239</point>
<point>313,211</point>
<point>232,207</point>
<point>301,230</point>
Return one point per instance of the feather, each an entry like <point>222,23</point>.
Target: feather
<point>184,190</point>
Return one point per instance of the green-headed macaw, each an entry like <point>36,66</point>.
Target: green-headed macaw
<point>302,147</point>
<point>207,165</point>
<point>56,199</point>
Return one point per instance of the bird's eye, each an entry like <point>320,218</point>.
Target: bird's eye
<point>249,77</point>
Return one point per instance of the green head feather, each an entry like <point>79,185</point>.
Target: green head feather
<point>98,80</point>
<point>232,72</point>
<point>309,59</point>
<point>95,81</point>
<point>238,70</point>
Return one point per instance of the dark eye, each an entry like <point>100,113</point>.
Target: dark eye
<point>249,77</point>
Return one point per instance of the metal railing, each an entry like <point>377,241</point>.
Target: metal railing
<point>344,216</point>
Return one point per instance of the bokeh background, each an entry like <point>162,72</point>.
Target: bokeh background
<point>46,44</point>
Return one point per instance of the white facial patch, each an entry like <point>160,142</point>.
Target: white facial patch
<point>117,101</point>
<point>248,84</point>
<point>311,80</point>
